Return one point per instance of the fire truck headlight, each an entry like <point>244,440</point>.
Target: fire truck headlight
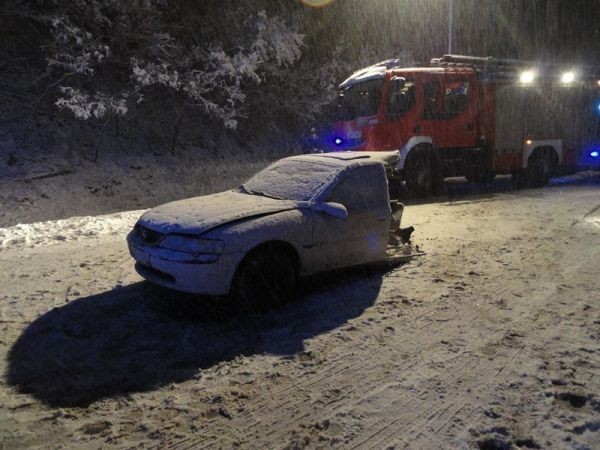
<point>527,77</point>
<point>338,141</point>
<point>595,154</point>
<point>567,77</point>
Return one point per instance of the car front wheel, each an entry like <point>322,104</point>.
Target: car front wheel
<point>266,278</point>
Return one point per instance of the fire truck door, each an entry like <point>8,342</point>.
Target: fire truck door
<point>401,113</point>
<point>450,112</point>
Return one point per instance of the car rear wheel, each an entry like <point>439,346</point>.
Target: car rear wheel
<point>265,279</point>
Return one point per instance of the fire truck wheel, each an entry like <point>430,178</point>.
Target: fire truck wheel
<point>541,166</point>
<point>423,174</point>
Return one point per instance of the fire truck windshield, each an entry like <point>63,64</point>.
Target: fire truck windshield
<point>358,100</point>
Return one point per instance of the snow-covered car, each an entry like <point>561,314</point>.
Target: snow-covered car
<point>301,215</point>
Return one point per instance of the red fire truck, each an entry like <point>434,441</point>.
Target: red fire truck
<point>470,116</point>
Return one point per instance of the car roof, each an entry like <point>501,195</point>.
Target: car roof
<point>348,158</point>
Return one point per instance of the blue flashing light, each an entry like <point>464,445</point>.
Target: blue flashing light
<point>595,154</point>
<point>338,141</point>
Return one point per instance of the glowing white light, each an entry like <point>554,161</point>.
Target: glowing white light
<point>337,141</point>
<point>594,154</point>
<point>527,77</point>
<point>567,77</point>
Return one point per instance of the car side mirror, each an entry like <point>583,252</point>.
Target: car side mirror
<point>336,210</point>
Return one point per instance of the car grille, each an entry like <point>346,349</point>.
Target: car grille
<point>147,236</point>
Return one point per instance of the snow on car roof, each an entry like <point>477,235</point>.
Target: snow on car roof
<point>325,160</point>
<point>347,158</point>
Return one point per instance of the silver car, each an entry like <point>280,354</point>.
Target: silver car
<point>301,215</point>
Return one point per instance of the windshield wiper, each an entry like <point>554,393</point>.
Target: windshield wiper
<point>247,190</point>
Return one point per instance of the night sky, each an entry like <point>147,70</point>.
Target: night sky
<point>562,31</point>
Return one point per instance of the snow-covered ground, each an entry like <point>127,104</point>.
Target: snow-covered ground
<point>490,340</point>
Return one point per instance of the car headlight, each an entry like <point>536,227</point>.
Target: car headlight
<point>192,245</point>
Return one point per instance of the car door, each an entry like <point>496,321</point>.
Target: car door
<point>363,236</point>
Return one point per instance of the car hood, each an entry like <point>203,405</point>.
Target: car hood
<point>200,214</point>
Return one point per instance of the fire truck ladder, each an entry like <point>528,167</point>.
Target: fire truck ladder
<point>509,69</point>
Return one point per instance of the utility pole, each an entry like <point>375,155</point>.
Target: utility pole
<point>450,27</point>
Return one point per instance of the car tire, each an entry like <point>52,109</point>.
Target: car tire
<point>265,279</point>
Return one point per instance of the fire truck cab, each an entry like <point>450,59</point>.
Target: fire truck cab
<point>467,116</point>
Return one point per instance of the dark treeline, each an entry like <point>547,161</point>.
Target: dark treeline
<point>172,72</point>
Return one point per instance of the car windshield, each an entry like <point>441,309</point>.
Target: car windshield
<point>291,180</point>
<point>358,100</point>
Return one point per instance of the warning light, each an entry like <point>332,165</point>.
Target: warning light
<point>567,77</point>
<point>338,141</point>
<point>595,154</point>
<point>527,77</point>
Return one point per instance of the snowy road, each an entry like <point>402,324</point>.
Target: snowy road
<point>491,339</point>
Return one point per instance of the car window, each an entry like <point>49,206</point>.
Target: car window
<point>292,180</point>
<point>361,188</point>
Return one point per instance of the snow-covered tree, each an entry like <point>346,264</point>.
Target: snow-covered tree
<point>111,54</point>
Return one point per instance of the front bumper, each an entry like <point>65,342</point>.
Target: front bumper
<point>161,267</point>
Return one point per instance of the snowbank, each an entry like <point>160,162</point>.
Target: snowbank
<point>72,229</point>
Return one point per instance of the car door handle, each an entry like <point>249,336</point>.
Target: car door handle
<point>381,219</point>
